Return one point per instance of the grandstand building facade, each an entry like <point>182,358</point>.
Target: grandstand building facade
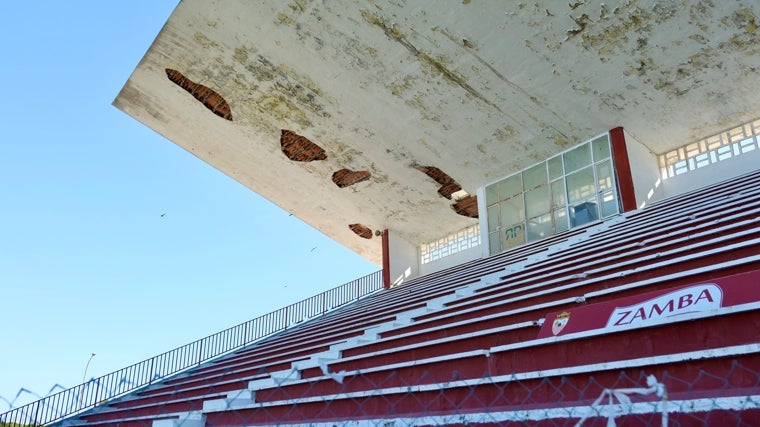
<point>564,200</point>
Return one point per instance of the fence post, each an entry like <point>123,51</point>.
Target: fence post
<point>37,412</point>
<point>245,334</point>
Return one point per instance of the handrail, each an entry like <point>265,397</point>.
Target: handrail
<point>97,390</point>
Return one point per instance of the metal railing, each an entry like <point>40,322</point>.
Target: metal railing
<point>98,390</point>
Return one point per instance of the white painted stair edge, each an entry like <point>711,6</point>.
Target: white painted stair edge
<point>372,334</point>
<point>235,399</point>
<point>186,419</point>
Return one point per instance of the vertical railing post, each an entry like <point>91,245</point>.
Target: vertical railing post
<point>245,334</point>
<point>36,413</point>
<point>97,390</point>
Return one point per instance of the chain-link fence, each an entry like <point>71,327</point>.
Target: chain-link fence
<point>727,393</point>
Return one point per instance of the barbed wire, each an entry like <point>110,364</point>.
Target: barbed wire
<point>398,398</point>
<point>21,396</point>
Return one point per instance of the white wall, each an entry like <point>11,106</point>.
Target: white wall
<point>711,174</point>
<point>485,248</point>
<point>451,260</point>
<point>404,259</point>
<point>645,171</point>
<point>649,187</point>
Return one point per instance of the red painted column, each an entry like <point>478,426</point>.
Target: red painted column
<point>623,169</point>
<point>386,261</point>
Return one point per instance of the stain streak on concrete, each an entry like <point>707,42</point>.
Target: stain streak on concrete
<point>394,34</point>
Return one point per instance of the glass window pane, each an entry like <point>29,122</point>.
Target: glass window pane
<point>560,221</point>
<point>577,158</point>
<point>558,194</point>
<point>513,235</point>
<point>555,167</point>
<point>493,217</point>
<point>565,191</point>
<point>492,194</point>
<point>510,187</point>
<point>534,176</point>
<point>609,204</point>
<point>537,201</point>
<point>584,212</point>
<point>539,227</point>
<point>494,243</point>
<point>580,185</point>
<point>512,210</point>
<point>601,148</point>
<point>604,175</point>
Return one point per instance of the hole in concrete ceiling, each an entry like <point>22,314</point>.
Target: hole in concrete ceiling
<point>361,230</point>
<point>449,189</point>
<point>346,177</point>
<point>212,100</point>
<point>299,148</point>
<point>467,206</point>
<point>448,184</point>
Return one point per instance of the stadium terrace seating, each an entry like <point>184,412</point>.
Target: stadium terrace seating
<point>465,345</point>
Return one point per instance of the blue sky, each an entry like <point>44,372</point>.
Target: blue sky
<point>87,262</point>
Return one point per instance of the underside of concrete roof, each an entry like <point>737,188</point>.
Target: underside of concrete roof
<point>386,107</point>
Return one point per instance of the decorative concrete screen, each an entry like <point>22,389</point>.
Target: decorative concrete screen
<point>568,190</point>
<point>451,244</point>
<point>713,149</point>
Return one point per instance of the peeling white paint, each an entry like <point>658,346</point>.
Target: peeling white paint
<point>477,89</point>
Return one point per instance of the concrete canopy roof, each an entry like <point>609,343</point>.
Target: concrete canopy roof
<point>478,89</point>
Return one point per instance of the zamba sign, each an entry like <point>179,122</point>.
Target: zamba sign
<point>687,300</point>
<point>714,294</point>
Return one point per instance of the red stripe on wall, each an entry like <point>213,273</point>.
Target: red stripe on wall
<point>623,169</point>
<point>386,261</point>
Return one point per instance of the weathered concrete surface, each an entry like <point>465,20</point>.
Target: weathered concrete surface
<point>478,89</point>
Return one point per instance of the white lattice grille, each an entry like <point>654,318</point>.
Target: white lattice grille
<point>713,149</point>
<point>451,244</point>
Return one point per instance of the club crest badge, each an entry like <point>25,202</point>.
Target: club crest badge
<point>560,322</point>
